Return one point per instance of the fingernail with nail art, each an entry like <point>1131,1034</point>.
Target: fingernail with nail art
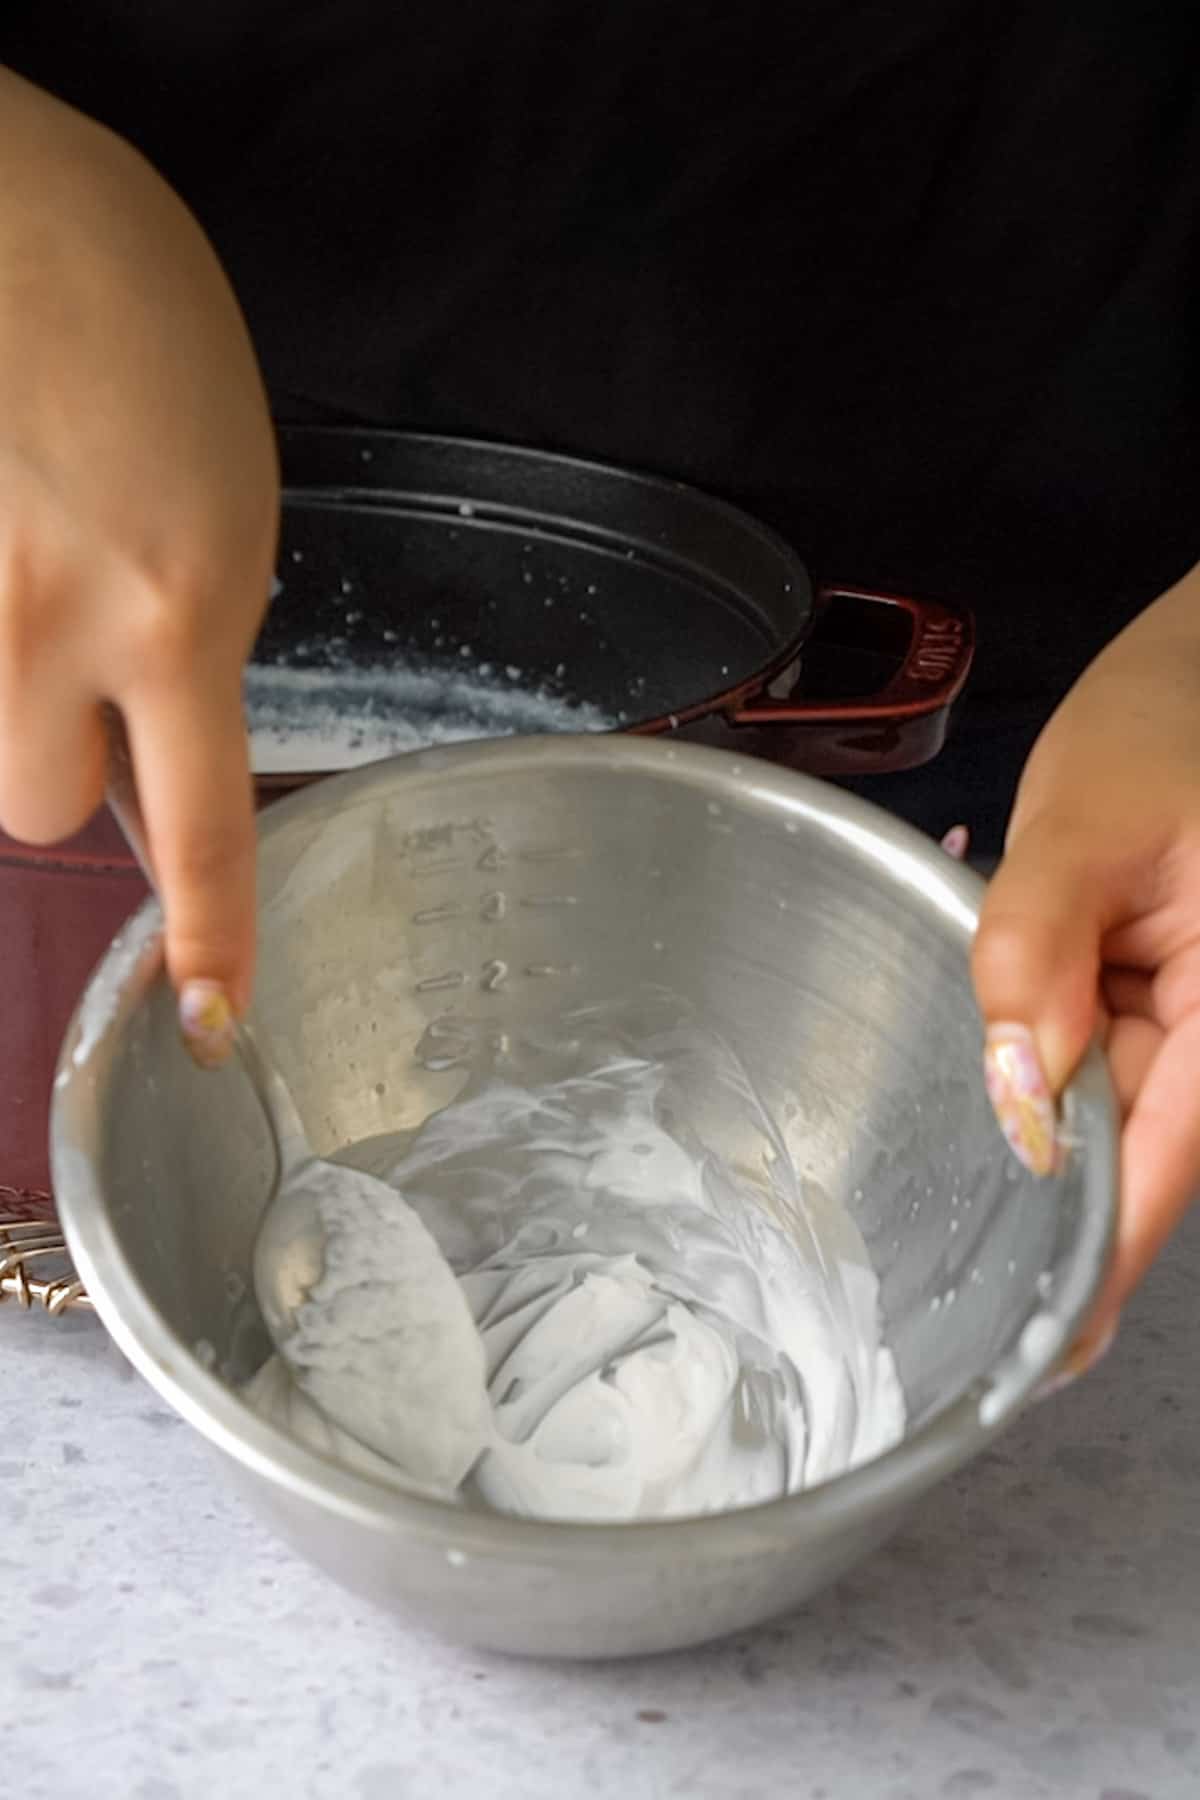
<point>1083,1356</point>
<point>957,842</point>
<point>206,1022</point>
<point>1020,1094</point>
<point>1090,1349</point>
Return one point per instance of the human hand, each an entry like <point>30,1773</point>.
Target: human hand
<point>139,498</point>
<point>1092,924</point>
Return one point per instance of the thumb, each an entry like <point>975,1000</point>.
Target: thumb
<point>1036,966</point>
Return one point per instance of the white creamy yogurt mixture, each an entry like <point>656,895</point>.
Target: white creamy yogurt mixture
<point>662,1331</point>
<point>308,720</point>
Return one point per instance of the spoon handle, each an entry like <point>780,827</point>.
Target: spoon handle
<point>121,791</point>
<point>274,1096</point>
<point>291,1141</point>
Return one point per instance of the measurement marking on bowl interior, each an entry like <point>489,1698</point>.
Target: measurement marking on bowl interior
<point>492,859</point>
<point>433,915</point>
<point>421,870</point>
<point>448,1030</point>
<point>445,1044</point>
<point>432,984</point>
<point>493,906</point>
<point>536,900</point>
<point>492,976</point>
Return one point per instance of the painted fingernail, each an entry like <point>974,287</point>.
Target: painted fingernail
<point>1021,1097</point>
<point>206,1022</point>
<point>1083,1355</point>
<point>957,842</point>
<point>1089,1350</point>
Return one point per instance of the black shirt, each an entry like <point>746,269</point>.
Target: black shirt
<point>915,282</point>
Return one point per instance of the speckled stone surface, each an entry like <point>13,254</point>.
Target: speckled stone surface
<point>1036,1633</point>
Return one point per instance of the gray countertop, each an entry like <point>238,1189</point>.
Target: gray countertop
<point>1035,1632</point>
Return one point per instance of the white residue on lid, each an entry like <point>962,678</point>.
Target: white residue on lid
<point>320,719</point>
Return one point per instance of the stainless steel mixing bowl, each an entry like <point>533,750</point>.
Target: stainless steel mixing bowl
<point>490,886</point>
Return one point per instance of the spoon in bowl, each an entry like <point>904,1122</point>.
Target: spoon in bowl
<point>359,1301</point>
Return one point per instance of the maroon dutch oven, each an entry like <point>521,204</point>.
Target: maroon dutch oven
<point>666,610</point>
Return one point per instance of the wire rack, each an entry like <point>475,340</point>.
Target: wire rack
<point>35,1267</point>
